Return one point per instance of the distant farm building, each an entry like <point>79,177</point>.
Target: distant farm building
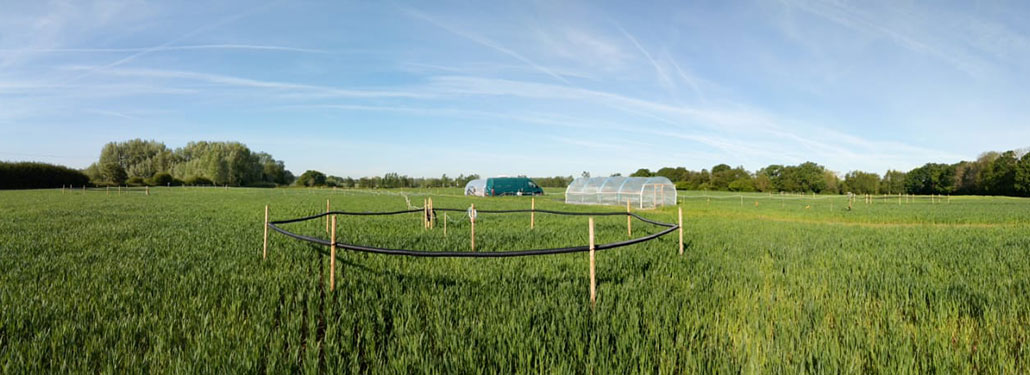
<point>640,192</point>
<point>499,186</point>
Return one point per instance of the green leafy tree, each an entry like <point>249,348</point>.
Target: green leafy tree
<point>893,182</point>
<point>763,183</point>
<point>112,173</point>
<point>833,183</point>
<point>674,174</point>
<point>223,163</point>
<point>931,178</point>
<point>1023,175</point>
<point>723,175</point>
<point>162,179</point>
<point>999,177</point>
<point>642,172</point>
<point>742,184</point>
<point>806,177</point>
<point>311,178</point>
<point>862,182</point>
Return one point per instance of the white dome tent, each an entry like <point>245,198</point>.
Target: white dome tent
<point>640,192</point>
<point>476,187</point>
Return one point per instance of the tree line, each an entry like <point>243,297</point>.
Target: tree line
<point>32,175</point>
<point>992,173</point>
<point>313,178</point>
<point>139,162</point>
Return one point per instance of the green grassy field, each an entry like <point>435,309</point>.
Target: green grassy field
<point>174,282</point>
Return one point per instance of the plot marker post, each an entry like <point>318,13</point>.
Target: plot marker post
<point>681,229</point>
<point>445,224</point>
<point>264,253</point>
<point>472,234</point>
<point>532,213</point>
<point>593,279</point>
<point>332,257</point>
<point>629,221</point>
<point>663,195</point>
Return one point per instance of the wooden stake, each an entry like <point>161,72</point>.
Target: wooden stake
<point>432,215</point>
<point>445,224</point>
<point>532,213</point>
<point>663,195</point>
<point>264,253</point>
<point>654,196</point>
<point>629,221</point>
<point>472,219</point>
<point>425,205</point>
<point>593,280</point>
<point>332,257</point>
<point>681,229</point>
<point>148,190</point>
<point>108,190</point>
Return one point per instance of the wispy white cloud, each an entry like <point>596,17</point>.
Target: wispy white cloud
<point>166,48</point>
<point>742,131</point>
<point>514,77</point>
<point>689,79</point>
<point>593,53</point>
<point>205,28</point>
<point>701,117</point>
<point>112,114</point>
<point>482,40</point>
<point>906,36</point>
<point>663,77</point>
<point>294,88</point>
<point>588,142</point>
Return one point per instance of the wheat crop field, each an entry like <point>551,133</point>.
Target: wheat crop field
<point>105,281</point>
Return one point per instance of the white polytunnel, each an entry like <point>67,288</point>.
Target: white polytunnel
<point>640,192</point>
<point>476,187</point>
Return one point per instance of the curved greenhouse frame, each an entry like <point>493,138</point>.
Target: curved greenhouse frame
<point>641,192</point>
<point>476,187</point>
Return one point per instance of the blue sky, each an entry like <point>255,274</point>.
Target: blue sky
<point>537,88</point>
